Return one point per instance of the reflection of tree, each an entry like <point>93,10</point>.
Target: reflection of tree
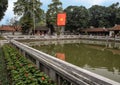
<point>81,55</point>
<point>97,59</point>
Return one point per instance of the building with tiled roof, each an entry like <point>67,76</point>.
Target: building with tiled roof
<point>39,30</point>
<point>102,31</point>
<point>9,29</point>
<point>95,31</point>
<point>115,28</point>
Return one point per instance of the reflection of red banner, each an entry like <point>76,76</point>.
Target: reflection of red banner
<point>61,19</point>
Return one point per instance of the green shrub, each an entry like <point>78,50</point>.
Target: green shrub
<point>22,71</point>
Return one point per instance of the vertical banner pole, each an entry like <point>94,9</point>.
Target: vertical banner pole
<point>62,30</point>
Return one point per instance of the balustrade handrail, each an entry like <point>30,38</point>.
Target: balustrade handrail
<point>20,37</point>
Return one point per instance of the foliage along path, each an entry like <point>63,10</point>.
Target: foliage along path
<point>22,71</point>
<point>3,72</point>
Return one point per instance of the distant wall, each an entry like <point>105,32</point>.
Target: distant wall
<point>10,33</point>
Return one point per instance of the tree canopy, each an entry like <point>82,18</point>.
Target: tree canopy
<point>30,11</point>
<point>3,7</point>
<point>53,8</point>
<point>79,17</point>
<point>51,16</point>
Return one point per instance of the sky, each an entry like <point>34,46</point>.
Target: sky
<point>65,3</point>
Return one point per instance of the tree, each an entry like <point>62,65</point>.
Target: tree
<point>51,16</point>
<point>41,22</point>
<point>113,12</point>
<point>77,17</point>
<point>14,23</point>
<point>118,16</point>
<point>69,12</point>
<point>3,7</point>
<point>30,11</point>
<point>26,22</point>
<point>98,16</point>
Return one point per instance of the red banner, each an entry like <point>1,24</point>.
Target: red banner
<point>61,19</point>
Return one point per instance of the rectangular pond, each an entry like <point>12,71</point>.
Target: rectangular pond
<point>97,58</point>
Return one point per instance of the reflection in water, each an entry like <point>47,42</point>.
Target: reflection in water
<point>60,56</point>
<point>62,42</point>
<point>90,57</point>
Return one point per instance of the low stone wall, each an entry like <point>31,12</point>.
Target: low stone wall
<point>2,42</point>
<point>47,37</point>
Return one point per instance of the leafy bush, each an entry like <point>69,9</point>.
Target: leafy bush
<point>3,73</point>
<point>22,71</point>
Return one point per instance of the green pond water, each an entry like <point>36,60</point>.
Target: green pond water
<point>96,59</point>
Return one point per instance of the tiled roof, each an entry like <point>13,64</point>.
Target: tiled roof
<point>116,28</point>
<point>95,30</point>
<point>9,28</point>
